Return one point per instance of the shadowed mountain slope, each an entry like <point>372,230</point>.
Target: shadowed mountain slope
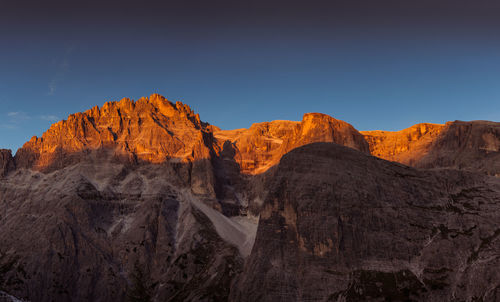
<point>341,225</point>
<point>98,230</point>
<point>6,162</point>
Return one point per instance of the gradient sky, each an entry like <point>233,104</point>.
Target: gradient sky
<point>375,64</point>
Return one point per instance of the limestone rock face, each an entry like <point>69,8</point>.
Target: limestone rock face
<point>247,156</point>
<point>151,130</point>
<point>6,162</point>
<point>259,147</point>
<point>407,146</point>
<point>102,231</point>
<point>340,225</point>
<point>262,145</point>
<point>473,146</point>
<point>318,127</point>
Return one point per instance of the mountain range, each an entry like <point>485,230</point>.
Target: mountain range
<point>143,201</point>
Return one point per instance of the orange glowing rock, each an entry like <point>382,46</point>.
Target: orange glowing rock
<point>406,146</point>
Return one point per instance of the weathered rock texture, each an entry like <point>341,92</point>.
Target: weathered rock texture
<point>6,162</point>
<point>341,225</point>
<point>141,199</point>
<point>102,231</point>
<point>247,156</point>
<point>262,145</point>
<point>407,146</point>
<point>473,146</point>
<point>258,148</point>
<point>150,130</point>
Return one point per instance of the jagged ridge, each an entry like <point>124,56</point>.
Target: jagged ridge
<point>139,183</point>
<point>156,130</point>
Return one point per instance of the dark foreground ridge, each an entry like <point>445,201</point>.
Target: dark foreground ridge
<point>344,226</point>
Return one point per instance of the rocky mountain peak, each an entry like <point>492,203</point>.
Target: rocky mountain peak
<point>153,104</point>
<point>150,129</point>
<point>263,144</point>
<point>319,127</point>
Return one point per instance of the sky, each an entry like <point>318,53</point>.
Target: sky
<point>375,64</point>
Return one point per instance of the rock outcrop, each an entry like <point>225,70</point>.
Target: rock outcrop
<point>256,149</point>
<point>262,145</point>
<point>340,225</point>
<point>6,162</point>
<point>151,130</point>
<point>247,156</point>
<point>407,146</point>
<point>108,231</point>
<point>473,146</point>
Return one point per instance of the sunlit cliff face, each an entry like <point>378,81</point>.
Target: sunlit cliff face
<point>406,146</point>
<point>150,129</point>
<point>262,145</point>
<point>155,130</point>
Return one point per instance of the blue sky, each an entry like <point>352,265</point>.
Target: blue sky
<point>385,66</point>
